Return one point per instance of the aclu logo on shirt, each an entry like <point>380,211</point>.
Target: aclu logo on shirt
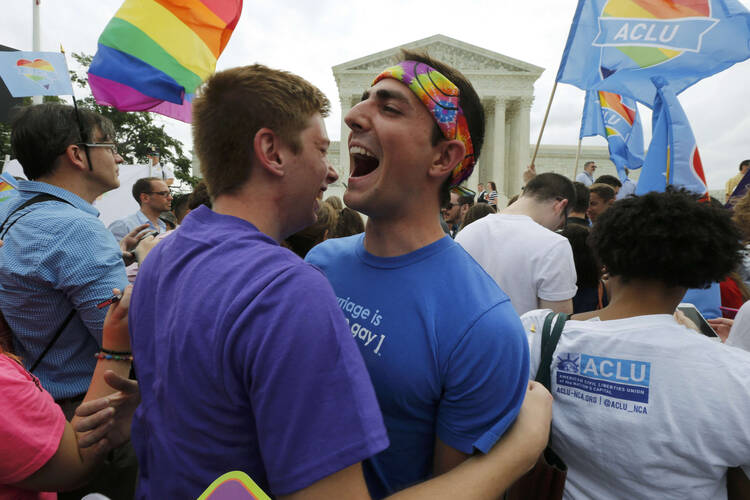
<point>609,382</point>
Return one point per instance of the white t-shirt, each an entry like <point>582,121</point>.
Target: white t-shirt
<point>645,408</point>
<point>164,172</point>
<point>739,335</point>
<point>527,260</point>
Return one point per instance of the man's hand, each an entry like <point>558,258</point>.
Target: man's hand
<point>108,419</point>
<point>144,247</point>
<point>130,241</point>
<point>529,173</point>
<point>115,335</point>
<point>721,326</point>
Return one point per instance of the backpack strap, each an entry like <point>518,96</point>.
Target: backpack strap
<point>550,337</point>
<point>39,199</point>
<point>36,199</point>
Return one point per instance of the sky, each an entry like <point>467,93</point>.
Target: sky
<point>309,37</point>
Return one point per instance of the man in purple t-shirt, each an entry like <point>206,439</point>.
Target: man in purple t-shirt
<point>244,358</point>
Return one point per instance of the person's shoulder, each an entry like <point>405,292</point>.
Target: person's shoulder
<point>334,248</point>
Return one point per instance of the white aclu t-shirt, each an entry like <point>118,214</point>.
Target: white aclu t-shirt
<point>526,260</point>
<point>739,335</point>
<point>645,408</point>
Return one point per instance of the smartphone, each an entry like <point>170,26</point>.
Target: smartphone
<point>696,317</point>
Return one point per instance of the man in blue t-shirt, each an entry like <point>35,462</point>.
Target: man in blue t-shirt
<point>442,343</point>
<point>244,359</point>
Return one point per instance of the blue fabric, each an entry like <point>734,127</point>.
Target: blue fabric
<point>444,347</point>
<point>57,257</point>
<point>585,178</point>
<point>621,127</point>
<point>245,362</point>
<point>706,300</point>
<point>122,227</point>
<point>672,157</point>
<point>619,53</point>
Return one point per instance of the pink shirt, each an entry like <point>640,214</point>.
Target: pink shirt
<point>31,426</point>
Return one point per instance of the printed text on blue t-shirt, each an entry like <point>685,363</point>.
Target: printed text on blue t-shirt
<point>361,322</point>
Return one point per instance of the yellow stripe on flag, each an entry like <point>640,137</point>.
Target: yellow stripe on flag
<point>171,34</point>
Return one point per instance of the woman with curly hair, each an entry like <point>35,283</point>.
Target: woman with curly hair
<point>645,407</point>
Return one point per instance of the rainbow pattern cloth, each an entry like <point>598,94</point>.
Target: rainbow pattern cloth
<point>441,97</point>
<point>154,54</point>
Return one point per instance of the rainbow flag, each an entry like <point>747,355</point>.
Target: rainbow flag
<point>7,186</point>
<point>154,54</point>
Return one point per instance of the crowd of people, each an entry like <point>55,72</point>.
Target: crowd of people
<point>270,329</point>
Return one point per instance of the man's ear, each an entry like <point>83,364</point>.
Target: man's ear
<point>562,204</point>
<point>267,151</point>
<point>449,154</point>
<point>76,156</point>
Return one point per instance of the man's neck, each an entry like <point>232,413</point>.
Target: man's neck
<point>151,214</point>
<point>394,236</point>
<point>260,207</point>
<point>579,215</point>
<point>73,183</point>
<point>637,298</point>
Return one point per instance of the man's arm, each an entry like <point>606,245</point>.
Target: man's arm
<point>563,306</point>
<point>478,478</point>
<point>446,457</point>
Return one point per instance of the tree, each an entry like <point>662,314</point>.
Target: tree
<point>136,132</point>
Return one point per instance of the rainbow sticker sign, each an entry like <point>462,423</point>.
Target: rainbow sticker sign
<point>35,73</point>
<point>234,485</point>
<point>618,45</point>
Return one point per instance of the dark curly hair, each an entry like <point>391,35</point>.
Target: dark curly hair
<point>668,237</point>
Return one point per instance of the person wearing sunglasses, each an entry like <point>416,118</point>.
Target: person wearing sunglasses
<point>520,249</point>
<point>153,197</point>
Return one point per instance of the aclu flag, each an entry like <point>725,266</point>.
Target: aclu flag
<point>616,119</point>
<point>618,45</point>
<point>28,74</point>
<point>672,155</point>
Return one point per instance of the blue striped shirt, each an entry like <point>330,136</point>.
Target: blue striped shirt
<point>57,257</point>
<point>120,228</point>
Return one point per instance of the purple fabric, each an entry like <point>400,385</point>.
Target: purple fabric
<point>245,362</point>
<point>108,92</point>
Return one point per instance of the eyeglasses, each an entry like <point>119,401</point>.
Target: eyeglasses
<point>161,193</point>
<point>110,145</point>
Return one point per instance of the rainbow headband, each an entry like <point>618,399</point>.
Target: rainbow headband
<point>441,97</point>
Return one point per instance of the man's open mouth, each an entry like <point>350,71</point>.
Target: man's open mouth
<point>364,161</point>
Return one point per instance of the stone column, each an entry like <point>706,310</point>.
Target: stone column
<point>498,145</point>
<point>512,141</point>
<point>521,137</point>
<point>481,170</point>
<point>343,166</point>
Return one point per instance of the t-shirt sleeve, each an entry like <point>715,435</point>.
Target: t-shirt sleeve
<point>31,424</point>
<point>485,381</point>
<point>533,322</point>
<point>168,172</point>
<point>739,335</point>
<point>312,399</point>
<point>556,278</point>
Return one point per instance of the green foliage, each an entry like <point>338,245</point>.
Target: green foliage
<point>136,131</point>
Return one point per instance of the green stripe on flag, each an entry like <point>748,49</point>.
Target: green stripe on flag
<point>125,37</point>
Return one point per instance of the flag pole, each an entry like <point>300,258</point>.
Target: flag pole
<point>36,39</point>
<point>544,122</point>
<point>578,156</point>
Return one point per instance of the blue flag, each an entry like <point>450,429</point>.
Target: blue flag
<point>672,156</point>
<point>618,45</point>
<point>35,73</point>
<point>616,119</point>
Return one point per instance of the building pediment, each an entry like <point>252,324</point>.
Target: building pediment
<point>465,57</point>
